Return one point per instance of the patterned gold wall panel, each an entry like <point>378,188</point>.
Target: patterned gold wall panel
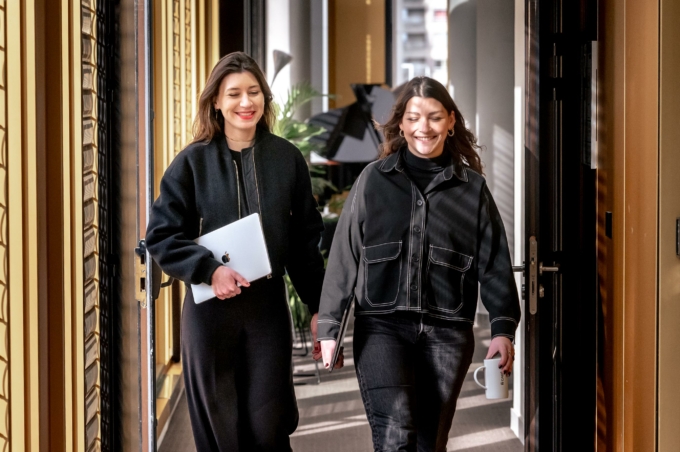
<point>176,72</point>
<point>188,86</point>
<point>176,52</point>
<point>4,276</point>
<point>90,227</point>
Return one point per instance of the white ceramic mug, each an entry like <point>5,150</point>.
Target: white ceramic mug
<point>496,382</point>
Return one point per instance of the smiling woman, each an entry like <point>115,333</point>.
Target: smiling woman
<point>237,346</point>
<point>417,110</point>
<point>241,103</point>
<point>425,126</point>
<point>235,101</point>
<point>422,239</point>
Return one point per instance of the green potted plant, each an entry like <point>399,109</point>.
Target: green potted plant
<point>300,134</point>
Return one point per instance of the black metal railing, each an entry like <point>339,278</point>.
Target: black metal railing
<point>108,89</point>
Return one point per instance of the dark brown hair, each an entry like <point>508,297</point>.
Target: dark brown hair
<point>462,145</point>
<point>208,123</point>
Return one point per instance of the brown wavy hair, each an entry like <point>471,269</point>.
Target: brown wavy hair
<point>462,145</point>
<point>209,122</point>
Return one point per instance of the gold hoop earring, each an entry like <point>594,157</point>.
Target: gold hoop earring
<point>451,133</point>
<point>401,133</point>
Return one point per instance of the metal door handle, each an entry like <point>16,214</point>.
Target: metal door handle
<point>533,275</point>
<point>542,269</point>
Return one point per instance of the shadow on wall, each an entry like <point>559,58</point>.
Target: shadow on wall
<point>481,71</point>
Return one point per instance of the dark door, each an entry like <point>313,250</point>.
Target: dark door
<point>561,291</point>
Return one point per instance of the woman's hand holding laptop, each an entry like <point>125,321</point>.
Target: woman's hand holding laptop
<point>226,282</point>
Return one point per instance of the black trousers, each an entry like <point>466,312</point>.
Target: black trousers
<point>236,357</point>
<point>411,369</point>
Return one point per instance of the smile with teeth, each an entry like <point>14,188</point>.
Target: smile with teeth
<point>245,114</point>
<point>425,139</point>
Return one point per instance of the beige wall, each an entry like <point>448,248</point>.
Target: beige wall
<point>638,182</point>
<point>356,46</point>
<point>640,192</point>
<point>609,181</point>
<point>669,211</point>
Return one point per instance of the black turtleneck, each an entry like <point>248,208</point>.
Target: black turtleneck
<point>423,170</point>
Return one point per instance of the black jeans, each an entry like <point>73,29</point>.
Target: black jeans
<point>411,368</point>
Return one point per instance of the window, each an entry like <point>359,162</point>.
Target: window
<point>414,16</point>
<point>415,41</point>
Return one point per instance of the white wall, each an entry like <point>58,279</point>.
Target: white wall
<point>463,58</point>
<point>278,38</point>
<point>495,102</point>
<point>299,28</point>
<point>486,73</point>
<point>517,411</point>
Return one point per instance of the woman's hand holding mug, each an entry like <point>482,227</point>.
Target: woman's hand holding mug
<point>226,283</point>
<point>497,370</point>
<point>502,345</point>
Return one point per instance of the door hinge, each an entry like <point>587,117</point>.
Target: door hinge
<point>140,273</point>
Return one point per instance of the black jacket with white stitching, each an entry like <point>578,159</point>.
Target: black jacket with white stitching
<point>399,249</point>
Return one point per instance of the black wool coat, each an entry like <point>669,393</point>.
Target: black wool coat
<point>199,193</point>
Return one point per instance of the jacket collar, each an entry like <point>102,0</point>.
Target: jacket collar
<point>395,161</point>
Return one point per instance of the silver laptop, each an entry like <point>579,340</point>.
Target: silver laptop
<point>239,245</point>
<point>339,343</point>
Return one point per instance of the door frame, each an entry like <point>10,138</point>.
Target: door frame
<point>144,269</point>
<point>560,226</point>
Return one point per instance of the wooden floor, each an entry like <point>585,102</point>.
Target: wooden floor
<point>332,417</point>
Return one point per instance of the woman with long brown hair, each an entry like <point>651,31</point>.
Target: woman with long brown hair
<point>418,235</point>
<point>237,346</point>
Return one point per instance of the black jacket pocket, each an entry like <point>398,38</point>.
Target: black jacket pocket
<point>382,267</point>
<point>446,279</point>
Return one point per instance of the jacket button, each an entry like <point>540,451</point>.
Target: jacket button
<point>417,229</point>
<point>419,202</point>
<point>414,287</point>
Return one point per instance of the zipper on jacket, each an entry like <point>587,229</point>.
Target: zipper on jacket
<point>238,190</point>
<point>257,190</point>
<point>259,203</point>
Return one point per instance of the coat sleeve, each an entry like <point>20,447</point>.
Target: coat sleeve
<point>343,265</point>
<point>494,270</point>
<point>305,265</point>
<point>173,224</point>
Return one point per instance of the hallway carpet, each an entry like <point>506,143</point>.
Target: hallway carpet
<point>332,417</point>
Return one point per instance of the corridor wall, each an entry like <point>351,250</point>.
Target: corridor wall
<point>356,46</point>
<point>48,333</point>
<point>637,183</point>
<point>668,398</point>
<point>56,393</point>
